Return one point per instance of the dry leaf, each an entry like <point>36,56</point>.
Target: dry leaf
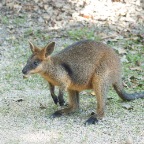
<point>124,59</point>
<point>136,68</point>
<point>19,100</point>
<point>127,106</point>
<point>122,51</point>
<point>86,16</point>
<point>125,85</point>
<point>42,106</point>
<point>93,93</point>
<point>84,93</point>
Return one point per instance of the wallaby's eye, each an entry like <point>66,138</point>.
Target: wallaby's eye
<point>36,63</point>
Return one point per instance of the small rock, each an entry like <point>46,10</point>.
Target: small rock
<point>129,140</point>
<point>66,8</point>
<point>59,5</point>
<point>75,14</point>
<point>46,7</point>
<point>0,5</point>
<point>46,16</point>
<point>36,1</point>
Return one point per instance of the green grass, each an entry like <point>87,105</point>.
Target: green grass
<point>83,33</point>
<point>5,20</point>
<point>19,21</point>
<point>36,35</point>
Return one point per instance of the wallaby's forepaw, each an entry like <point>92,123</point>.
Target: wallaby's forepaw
<point>61,103</point>
<point>56,114</point>
<point>91,120</point>
<point>55,100</point>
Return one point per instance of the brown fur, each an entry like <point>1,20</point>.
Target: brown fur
<point>83,65</point>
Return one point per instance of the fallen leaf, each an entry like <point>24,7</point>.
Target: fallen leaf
<point>127,106</point>
<point>92,93</point>
<point>42,106</point>
<point>124,58</point>
<point>122,51</point>
<point>87,16</point>
<point>136,68</point>
<point>125,85</point>
<point>19,100</point>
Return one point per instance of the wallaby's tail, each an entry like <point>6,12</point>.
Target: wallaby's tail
<point>125,96</point>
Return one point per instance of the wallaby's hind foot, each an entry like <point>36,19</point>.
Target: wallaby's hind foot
<point>100,88</point>
<point>56,114</point>
<point>92,120</point>
<point>72,107</point>
<point>62,112</point>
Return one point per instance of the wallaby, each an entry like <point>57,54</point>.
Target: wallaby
<point>83,65</point>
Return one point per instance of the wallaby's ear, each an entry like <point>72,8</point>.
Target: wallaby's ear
<point>49,48</point>
<point>32,47</point>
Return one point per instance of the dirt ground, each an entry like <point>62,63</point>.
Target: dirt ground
<point>26,105</point>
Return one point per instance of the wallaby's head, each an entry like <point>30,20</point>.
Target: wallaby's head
<point>38,57</point>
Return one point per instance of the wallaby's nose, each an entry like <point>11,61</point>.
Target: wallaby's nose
<point>24,71</point>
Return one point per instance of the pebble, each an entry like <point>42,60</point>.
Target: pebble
<point>129,140</point>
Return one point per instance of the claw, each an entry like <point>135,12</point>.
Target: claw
<point>61,103</point>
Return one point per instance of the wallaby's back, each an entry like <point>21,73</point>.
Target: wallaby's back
<point>85,58</point>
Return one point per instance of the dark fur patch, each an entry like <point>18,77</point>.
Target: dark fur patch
<point>67,68</point>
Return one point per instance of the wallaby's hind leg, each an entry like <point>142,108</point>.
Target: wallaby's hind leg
<point>100,88</point>
<point>73,104</point>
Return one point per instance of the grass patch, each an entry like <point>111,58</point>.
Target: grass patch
<point>19,21</point>
<point>83,33</point>
<point>36,34</point>
<point>5,20</point>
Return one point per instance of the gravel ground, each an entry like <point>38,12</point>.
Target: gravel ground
<point>26,105</point>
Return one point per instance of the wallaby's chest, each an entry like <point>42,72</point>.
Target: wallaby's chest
<point>50,79</point>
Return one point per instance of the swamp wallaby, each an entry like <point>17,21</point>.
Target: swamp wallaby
<point>83,65</point>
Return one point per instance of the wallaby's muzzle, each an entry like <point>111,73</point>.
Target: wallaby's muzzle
<point>32,67</point>
<point>26,71</point>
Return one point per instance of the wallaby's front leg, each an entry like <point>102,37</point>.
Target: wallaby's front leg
<point>54,97</point>
<point>73,104</point>
<point>60,97</point>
